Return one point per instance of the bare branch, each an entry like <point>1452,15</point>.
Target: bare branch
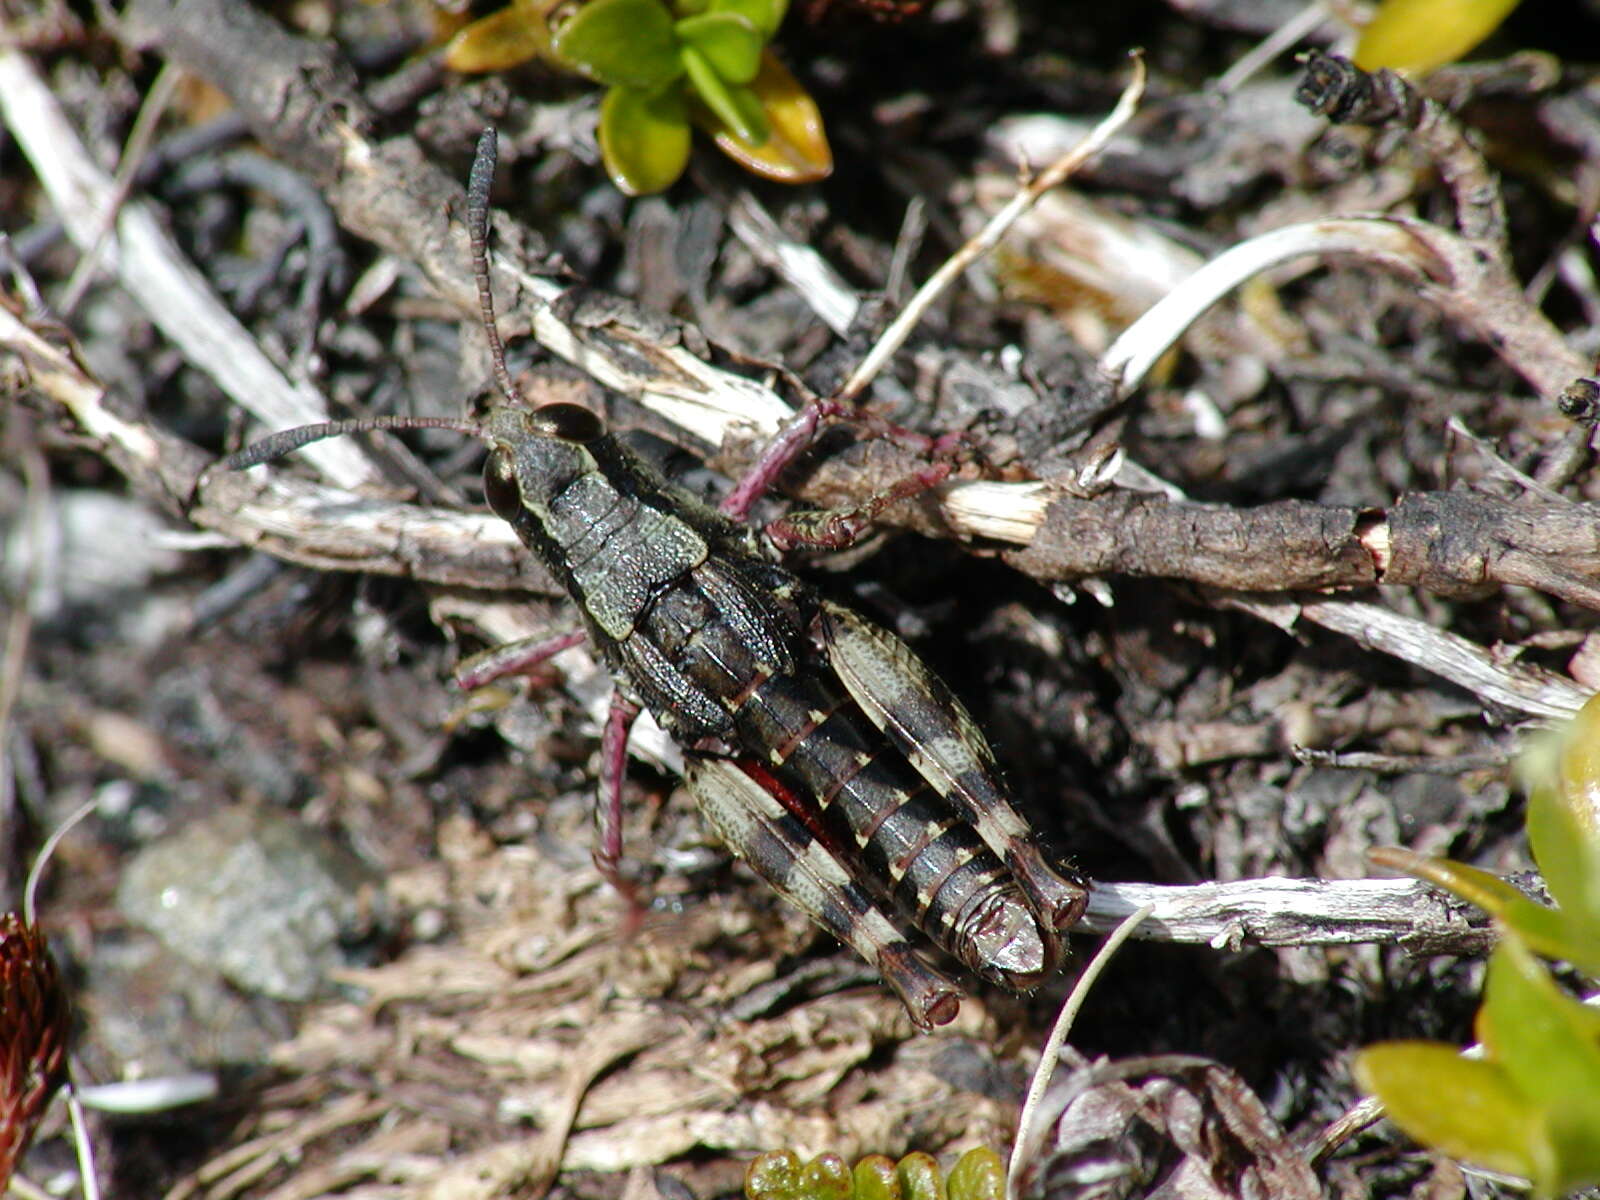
<point>1293,912</point>
<point>151,266</point>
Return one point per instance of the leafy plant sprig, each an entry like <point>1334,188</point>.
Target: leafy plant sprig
<point>1529,1103</point>
<point>666,66</point>
<point>780,1175</point>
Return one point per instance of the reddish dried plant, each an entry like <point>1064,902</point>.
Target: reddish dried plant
<point>34,1020</point>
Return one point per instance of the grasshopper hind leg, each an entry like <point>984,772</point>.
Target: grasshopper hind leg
<point>514,658</point>
<point>757,828</point>
<point>608,813</point>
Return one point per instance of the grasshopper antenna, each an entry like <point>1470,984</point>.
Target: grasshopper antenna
<point>289,440</point>
<point>479,181</point>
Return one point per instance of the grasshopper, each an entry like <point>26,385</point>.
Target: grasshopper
<point>817,745</point>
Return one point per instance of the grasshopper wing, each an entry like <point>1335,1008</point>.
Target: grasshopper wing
<point>779,848</point>
<point>931,727</point>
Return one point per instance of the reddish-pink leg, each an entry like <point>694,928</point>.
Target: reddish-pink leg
<point>514,658</point>
<point>834,529</point>
<point>608,816</point>
<point>794,437</point>
<point>520,657</point>
<point>791,441</point>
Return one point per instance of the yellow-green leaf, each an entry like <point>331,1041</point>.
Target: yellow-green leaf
<point>1568,855</point>
<point>765,15</point>
<point>1548,1043</point>
<point>500,41</point>
<point>624,43</point>
<point>1419,35</point>
<point>729,42</point>
<point>978,1175</point>
<point>1580,767</point>
<point>874,1179</point>
<point>796,149</point>
<point>919,1177</point>
<point>644,139</point>
<point>1548,931</point>
<point>733,107</point>
<point>825,1177</point>
<point>1468,1109</point>
<point>774,1175</point>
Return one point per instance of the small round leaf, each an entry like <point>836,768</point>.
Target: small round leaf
<point>919,1177</point>
<point>644,138</point>
<point>729,42</point>
<point>765,15</point>
<point>978,1175</point>
<point>796,149</point>
<point>774,1175</point>
<point>825,1177</point>
<point>624,43</point>
<point>734,107</point>
<point>500,41</point>
<point>875,1179</point>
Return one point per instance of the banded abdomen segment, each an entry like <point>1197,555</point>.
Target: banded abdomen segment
<point>931,727</point>
<point>802,870</point>
<point>869,803</point>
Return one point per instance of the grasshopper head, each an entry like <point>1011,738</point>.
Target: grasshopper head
<point>534,453</point>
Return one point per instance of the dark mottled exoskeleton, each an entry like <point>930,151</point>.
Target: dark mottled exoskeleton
<point>820,748</point>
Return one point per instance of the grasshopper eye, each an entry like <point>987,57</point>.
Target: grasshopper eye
<point>500,485</point>
<point>569,422</point>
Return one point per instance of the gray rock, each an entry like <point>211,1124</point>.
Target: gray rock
<point>255,895</point>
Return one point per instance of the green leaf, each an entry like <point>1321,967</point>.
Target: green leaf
<point>919,1177</point>
<point>1580,767</point>
<point>797,149</point>
<point>1419,35</point>
<point>765,15</point>
<point>1568,855</point>
<point>729,42</point>
<point>772,1176</point>
<point>825,1177</point>
<point>1465,1108</point>
<point>500,41</point>
<point>1548,931</point>
<point>1551,934</point>
<point>623,43</point>
<point>1549,1047</point>
<point>644,138</point>
<point>1561,774</point>
<point>733,105</point>
<point>978,1175</point>
<point>1548,1043</point>
<point>875,1179</point>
